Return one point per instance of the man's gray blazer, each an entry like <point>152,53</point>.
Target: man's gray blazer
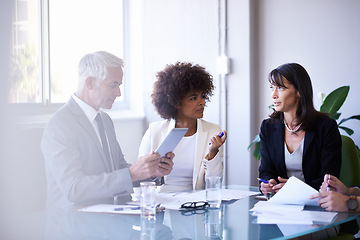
<point>76,167</point>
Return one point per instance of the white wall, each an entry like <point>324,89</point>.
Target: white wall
<point>179,30</point>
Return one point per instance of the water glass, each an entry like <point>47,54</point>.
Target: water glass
<point>148,200</point>
<point>213,191</point>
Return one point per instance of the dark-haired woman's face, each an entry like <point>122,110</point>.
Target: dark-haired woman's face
<point>285,99</point>
<point>192,106</point>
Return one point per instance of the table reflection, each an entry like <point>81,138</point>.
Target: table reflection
<point>231,221</point>
<point>214,224</point>
<point>69,224</point>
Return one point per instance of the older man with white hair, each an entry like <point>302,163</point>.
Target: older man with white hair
<point>84,162</point>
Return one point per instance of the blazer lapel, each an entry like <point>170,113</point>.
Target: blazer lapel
<point>279,142</point>
<point>201,138</point>
<point>86,125</point>
<point>309,137</point>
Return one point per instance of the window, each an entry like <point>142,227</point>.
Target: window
<point>25,76</point>
<point>50,37</point>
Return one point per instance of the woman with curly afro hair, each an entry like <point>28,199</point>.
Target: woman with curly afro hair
<point>179,96</point>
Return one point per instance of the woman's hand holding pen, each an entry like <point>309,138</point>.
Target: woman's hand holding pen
<point>272,186</point>
<point>267,187</point>
<point>215,143</point>
<point>281,183</point>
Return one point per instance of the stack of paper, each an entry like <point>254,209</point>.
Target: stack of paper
<point>268,213</point>
<point>287,206</point>
<point>175,200</point>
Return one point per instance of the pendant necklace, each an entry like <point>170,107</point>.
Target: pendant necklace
<point>292,130</point>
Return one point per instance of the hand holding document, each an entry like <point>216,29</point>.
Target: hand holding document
<point>296,192</point>
<point>287,206</point>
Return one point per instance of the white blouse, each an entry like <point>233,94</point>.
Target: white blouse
<point>182,173</point>
<point>293,161</point>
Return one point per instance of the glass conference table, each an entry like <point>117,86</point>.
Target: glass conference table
<point>232,221</point>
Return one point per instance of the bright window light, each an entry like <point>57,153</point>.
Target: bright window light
<point>49,39</point>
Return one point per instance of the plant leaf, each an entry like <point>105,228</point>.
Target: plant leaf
<point>352,117</point>
<point>335,100</point>
<point>257,151</point>
<point>335,116</point>
<point>256,140</point>
<point>347,130</point>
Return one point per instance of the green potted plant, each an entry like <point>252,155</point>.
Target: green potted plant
<point>331,104</point>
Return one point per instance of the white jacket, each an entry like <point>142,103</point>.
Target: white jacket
<point>157,131</point>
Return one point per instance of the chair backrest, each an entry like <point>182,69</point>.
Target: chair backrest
<point>350,166</point>
<point>29,181</point>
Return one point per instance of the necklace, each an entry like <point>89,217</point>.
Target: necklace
<point>292,130</point>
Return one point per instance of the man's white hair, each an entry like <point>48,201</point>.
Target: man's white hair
<point>95,65</point>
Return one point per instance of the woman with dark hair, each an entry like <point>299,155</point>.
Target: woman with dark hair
<point>296,140</point>
<point>180,95</point>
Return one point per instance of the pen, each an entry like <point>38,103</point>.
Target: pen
<point>262,180</point>
<point>126,208</point>
<point>328,186</point>
<point>220,135</point>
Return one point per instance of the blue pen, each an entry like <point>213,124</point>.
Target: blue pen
<point>328,186</point>
<point>262,180</point>
<point>126,208</point>
<point>220,135</point>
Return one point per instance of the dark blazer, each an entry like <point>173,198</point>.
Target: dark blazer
<point>321,155</point>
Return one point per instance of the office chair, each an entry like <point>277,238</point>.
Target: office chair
<point>28,167</point>
<point>350,176</point>
<point>350,166</point>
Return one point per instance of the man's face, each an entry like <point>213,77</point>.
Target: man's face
<point>104,94</point>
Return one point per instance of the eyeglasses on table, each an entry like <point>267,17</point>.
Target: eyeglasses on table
<point>194,205</point>
<point>191,208</point>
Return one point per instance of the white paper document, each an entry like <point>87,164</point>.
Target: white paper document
<point>266,206</point>
<point>175,200</point>
<point>295,191</point>
<point>299,217</point>
<point>111,208</point>
<point>287,206</point>
<point>289,229</point>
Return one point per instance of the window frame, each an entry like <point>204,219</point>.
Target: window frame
<point>45,107</point>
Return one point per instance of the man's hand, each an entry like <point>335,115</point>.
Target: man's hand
<point>332,201</point>
<point>166,165</point>
<point>151,166</point>
<point>145,167</point>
